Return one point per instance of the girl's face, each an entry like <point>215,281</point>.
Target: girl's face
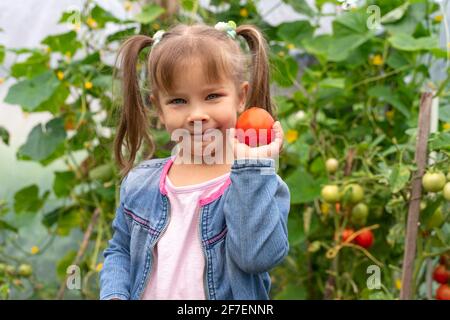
<point>208,106</point>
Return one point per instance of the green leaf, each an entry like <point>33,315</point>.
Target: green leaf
<point>64,182</point>
<point>2,53</point>
<point>149,13</point>
<point>30,93</point>
<point>103,172</point>
<point>318,45</point>
<point>50,218</point>
<point>386,94</point>
<point>57,99</point>
<point>399,177</point>
<point>66,219</point>
<point>301,6</point>
<point>91,59</point>
<point>406,42</point>
<point>27,199</point>
<point>295,32</point>
<point>349,32</point>
<point>64,43</point>
<point>189,5</point>
<point>414,15</point>
<point>58,153</point>
<point>108,194</point>
<point>83,134</point>
<point>34,65</point>
<point>439,141</point>
<point>103,82</point>
<point>43,141</point>
<point>397,59</point>
<point>439,53</point>
<point>296,234</point>
<point>395,14</point>
<point>350,22</point>
<point>304,188</point>
<point>341,47</point>
<point>66,222</point>
<point>337,83</point>
<point>64,263</point>
<point>284,70</point>
<point>101,16</point>
<point>6,226</point>
<point>284,105</point>
<point>4,135</point>
<point>73,17</point>
<point>444,113</point>
<point>120,35</point>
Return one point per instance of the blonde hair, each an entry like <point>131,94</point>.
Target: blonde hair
<point>221,57</point>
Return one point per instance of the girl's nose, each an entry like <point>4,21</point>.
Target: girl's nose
<point>198,116</point>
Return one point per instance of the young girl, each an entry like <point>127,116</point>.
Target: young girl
<point>193,229</point>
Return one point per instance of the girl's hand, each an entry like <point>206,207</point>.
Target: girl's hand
<point>272,150</point>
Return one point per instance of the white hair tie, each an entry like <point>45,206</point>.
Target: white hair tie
<point>157,37</point>
<point>229,27</point>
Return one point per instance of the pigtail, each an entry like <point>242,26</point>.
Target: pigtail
<point>133,124</point>
<point>259,91</point>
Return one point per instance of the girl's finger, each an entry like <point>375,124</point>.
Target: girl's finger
<point>278,130</point>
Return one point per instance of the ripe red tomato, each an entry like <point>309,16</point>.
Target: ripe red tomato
<point>346,234</point>
<point>443,292</point>
<point>441,274</point>
<point>365,239</point>
<point>258,119</point>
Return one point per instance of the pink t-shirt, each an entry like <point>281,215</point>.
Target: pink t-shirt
<point>178,268</point>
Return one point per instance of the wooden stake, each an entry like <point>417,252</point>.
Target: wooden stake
<point>416,191</point>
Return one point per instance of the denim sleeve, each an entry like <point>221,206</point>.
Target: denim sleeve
<point>256,210</point>
<point>115,274</point>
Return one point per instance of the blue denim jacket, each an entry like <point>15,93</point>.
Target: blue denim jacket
<point>243,231</point>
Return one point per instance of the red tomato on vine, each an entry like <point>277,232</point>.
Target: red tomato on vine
<point>443,292</point>
<point>346,234</point>
<point>441,274</point>
<point>365,239</point>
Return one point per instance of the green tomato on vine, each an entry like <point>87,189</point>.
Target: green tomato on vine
<point>355,191</point>
<point>433,181</point>
<point>330,193</point>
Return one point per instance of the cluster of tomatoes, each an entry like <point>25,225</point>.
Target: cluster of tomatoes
<point>436,181</point>
<point>441,275</point>
<point>23,270</point>
<point>364,238</point>
<point>352,195</point>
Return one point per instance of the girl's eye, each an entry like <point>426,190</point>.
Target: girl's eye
<point>214,94</point>
<point>174,101</point>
